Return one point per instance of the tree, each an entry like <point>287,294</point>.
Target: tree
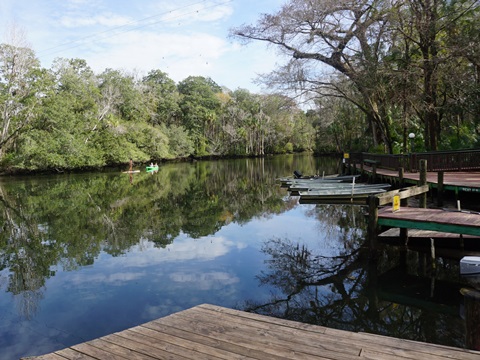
<point>347,37</point>
<point>200,106</point>
<point>23,84</point>
<point>399,62</point>
<point>163,98</point>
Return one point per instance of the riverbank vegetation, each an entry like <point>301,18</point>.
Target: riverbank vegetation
<point>374,71</point>
<point>68,117</point>
<point>381,70</point>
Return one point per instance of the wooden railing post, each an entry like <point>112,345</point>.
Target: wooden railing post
<point>401,184</point>
<point>404,236</point>
<point>372,222</point>
<point>401,177</point>
<point>440,188</point>
<point>423,181</point>
<point>437,161</point>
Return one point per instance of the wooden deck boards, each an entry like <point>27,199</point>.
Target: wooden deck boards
<point>467,181</point>
<point>431,219</point>
<point>212,332</point>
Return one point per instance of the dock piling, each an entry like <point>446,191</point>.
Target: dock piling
<point>372,221</point>
<point>440,176</point>
<point>423,181</point>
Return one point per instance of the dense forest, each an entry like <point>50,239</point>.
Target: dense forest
<point>379,70</point>
<point>68,117</point>
<point>373,71</point>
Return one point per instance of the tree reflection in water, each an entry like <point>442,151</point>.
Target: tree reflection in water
<point>56,226</point>
<point>311,283</point>
<point>351,290</point>
<point>64,222</point>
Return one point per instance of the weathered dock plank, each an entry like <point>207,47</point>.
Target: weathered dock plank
<point>212,332</point>
<point>280,340</point>
<point>385,347</point>
<point>431,219</point>
<point>425,234</point>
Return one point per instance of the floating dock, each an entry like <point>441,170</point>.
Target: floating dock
<point>457,222</point>
<point>213,332</point>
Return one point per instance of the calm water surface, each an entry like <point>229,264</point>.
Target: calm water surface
<point>82,256</point>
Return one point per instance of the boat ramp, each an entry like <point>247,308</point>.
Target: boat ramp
<point>213,332</point>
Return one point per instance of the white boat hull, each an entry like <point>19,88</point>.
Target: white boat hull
<point>339,194</point>
<point>470,265</point>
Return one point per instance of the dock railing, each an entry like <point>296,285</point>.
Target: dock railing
<point>375,201</point>
<point>460,160</point>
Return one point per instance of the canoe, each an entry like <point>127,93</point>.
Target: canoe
<point>152,168</point>
<point>298,175</point>
<point>331,178</point>
<point>338,194</point>
<point>321,186</point>
<point>131,172</point>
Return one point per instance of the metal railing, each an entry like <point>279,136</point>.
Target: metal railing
<point>461,160</point>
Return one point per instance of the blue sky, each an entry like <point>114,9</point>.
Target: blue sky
<point>181,37</point>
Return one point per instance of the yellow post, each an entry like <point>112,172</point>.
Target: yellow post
<point>396,203</point>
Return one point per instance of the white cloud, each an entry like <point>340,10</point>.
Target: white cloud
<point>191,11</point>
<point>118,278</point>
<point>182,249</point>
<point>182,38</point>
<point>108,20</point>
<point>205,281</point>
<point>79,4</point>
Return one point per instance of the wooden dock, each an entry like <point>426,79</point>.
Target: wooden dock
<point>448,245</point>
<point>456,222</point>
<point>212,332</point>
<point>422,218</point>
<point>456,181</point>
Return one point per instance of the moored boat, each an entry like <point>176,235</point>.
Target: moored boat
<point>340,194</point>
<point>470,265</point>
<point>331,178</point>
<point>321,186</point>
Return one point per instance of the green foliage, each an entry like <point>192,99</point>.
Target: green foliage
<point>21,83</point>
<point>179,142</point>
<point>152,142</point>
<point>289,148</point>
<point>162,98</point>
<point>402,65</point>
<point>39,150</point>
<point>199,104</point>
<point>68,117</point>
<point>459,137</point>
<point>66,221</point>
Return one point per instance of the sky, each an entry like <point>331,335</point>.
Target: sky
<point>179,37</point>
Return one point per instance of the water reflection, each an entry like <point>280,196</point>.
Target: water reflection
<point>82,256</point>
<point>399,294</point>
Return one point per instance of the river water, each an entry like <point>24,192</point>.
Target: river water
<point>86,255</point>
